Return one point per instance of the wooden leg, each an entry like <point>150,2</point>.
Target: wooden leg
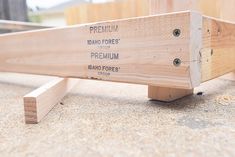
<point>167,94</point>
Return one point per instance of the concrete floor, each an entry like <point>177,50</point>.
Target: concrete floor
<point>113,119</point>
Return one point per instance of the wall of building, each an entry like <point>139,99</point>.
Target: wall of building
<point>15,10</point>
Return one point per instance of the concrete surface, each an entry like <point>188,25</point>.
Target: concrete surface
<point>112,119</point>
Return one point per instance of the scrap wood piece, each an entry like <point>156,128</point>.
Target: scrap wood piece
<point>38,103</point>
<point>167,94</point>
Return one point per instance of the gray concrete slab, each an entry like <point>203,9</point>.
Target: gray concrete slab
<point>113,119</point>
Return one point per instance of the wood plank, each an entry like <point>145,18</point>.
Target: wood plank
<point>144,47</point>
<point>19,26</point>
<point>38,103</point>
<point>219,43</point>
<point>218,53</point>
<point>143,51</point>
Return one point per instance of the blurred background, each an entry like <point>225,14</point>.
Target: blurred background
<point>54,13</point>
<point>40,11</point>
<point>68,12</point>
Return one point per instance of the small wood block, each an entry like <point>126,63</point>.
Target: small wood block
<point>167,94</point>
<point>38,103</point>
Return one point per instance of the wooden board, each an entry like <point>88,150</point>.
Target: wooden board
<point>38,103</point>
<point>139,50</point>
<point>19,26</point>
<point>222,44</point>
<point>218,53</point>
<point>168,94</point>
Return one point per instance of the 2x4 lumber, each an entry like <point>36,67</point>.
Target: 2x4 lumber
<point>216,33</point>
<point>216,48</point>
<point>38,103</point>
<point>19,26</point>
<point>218,52</point>
<point>136,50</point>
<point>167,94</point>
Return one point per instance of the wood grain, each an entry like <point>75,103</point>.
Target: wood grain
<point>146,48</point>
<point>167,94</point>
<point>218,53</point>
<point>38,103</point>
<point>219,39</point>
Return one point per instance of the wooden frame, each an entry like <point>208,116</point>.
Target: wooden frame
<point>172,52</point>
<point>214,8</point>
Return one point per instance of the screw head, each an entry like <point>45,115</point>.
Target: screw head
<point>176,32</point>
<point>177,62</point>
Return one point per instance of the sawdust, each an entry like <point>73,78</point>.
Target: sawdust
<point>225,99</point>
